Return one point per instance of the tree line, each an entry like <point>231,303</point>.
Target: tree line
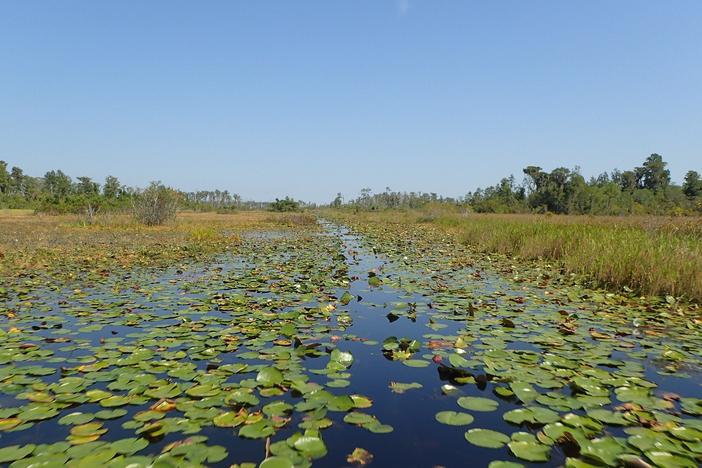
<point>646,189</point>
<point>56,192</point>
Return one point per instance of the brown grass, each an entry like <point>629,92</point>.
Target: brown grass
<point>30,242</point>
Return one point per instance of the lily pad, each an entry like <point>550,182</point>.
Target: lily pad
<point>486,438</point>
<point>129,446</point>
<point>276,462</point>
<point>603,450</point>
<point>269,376</point>
<point>311,446</point>
<point>477,403</point>
<point>530,450</point>
<point>15,452</point>
<point>453,418</point>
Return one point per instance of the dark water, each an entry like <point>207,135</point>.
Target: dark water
<point>417,440</point>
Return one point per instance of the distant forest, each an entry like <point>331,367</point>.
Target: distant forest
<point>56,192</point>
<point>643,190</point>
<point>647,189</point>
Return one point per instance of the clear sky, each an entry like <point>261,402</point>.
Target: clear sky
<point>307,98</point>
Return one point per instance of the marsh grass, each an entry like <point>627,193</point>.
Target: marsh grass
<point>292,219</point>
<point>652,258</point>
<point>30,243</point>
<point>650,255</point>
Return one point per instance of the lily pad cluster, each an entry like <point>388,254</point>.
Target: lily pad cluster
<point>253,357</point>
<point>576,372</point>
<point>167,355</point>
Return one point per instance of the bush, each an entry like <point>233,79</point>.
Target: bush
<point>285,205</point>
<point>155,205</point>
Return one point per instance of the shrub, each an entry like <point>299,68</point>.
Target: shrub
<point>155,205</point>
<point>285,205</point>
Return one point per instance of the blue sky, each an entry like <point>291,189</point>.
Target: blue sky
<point>307,98</point>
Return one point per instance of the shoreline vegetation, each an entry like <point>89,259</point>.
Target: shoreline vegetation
<point>633,230</point>
<point>68,248</point>
<point>644,190</point>
<point>648,255</point>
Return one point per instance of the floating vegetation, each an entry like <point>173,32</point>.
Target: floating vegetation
<point>290,349</point>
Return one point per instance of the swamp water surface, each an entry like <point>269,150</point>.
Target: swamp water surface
<point>303,347</point>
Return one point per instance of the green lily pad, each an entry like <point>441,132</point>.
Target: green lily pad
<point>204,390</point>
<point>311,446</point>
<point>114,401</point>
<point>229,419</point>
<point>415,363</point>
<point>110,414</point>
<point>670,460</point>
<point>76,418</point>
<point>687,434</point>
<point>257,430</point>
<point>524,391</point>
<point>379,428</point>
<point>276,462</point>
<point>15,452</point>
<point>478,404</point>
<point>533,415</point>
<point>38,413</point>
<point>603,450</point>
<point>486,438</point>
<point>129,446</point>
<point>457,360</point>
<point>504,464</point>
<point>608,417</point>
<point>269,376</point>
<point>358,418</point>
<point>88,429</point>
<point>453,418</point>
<point>342,357</point>
<point>530,450</point>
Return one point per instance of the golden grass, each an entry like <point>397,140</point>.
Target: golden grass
<point>31,242</point>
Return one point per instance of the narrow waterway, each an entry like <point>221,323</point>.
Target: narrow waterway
<point>503,356</point>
